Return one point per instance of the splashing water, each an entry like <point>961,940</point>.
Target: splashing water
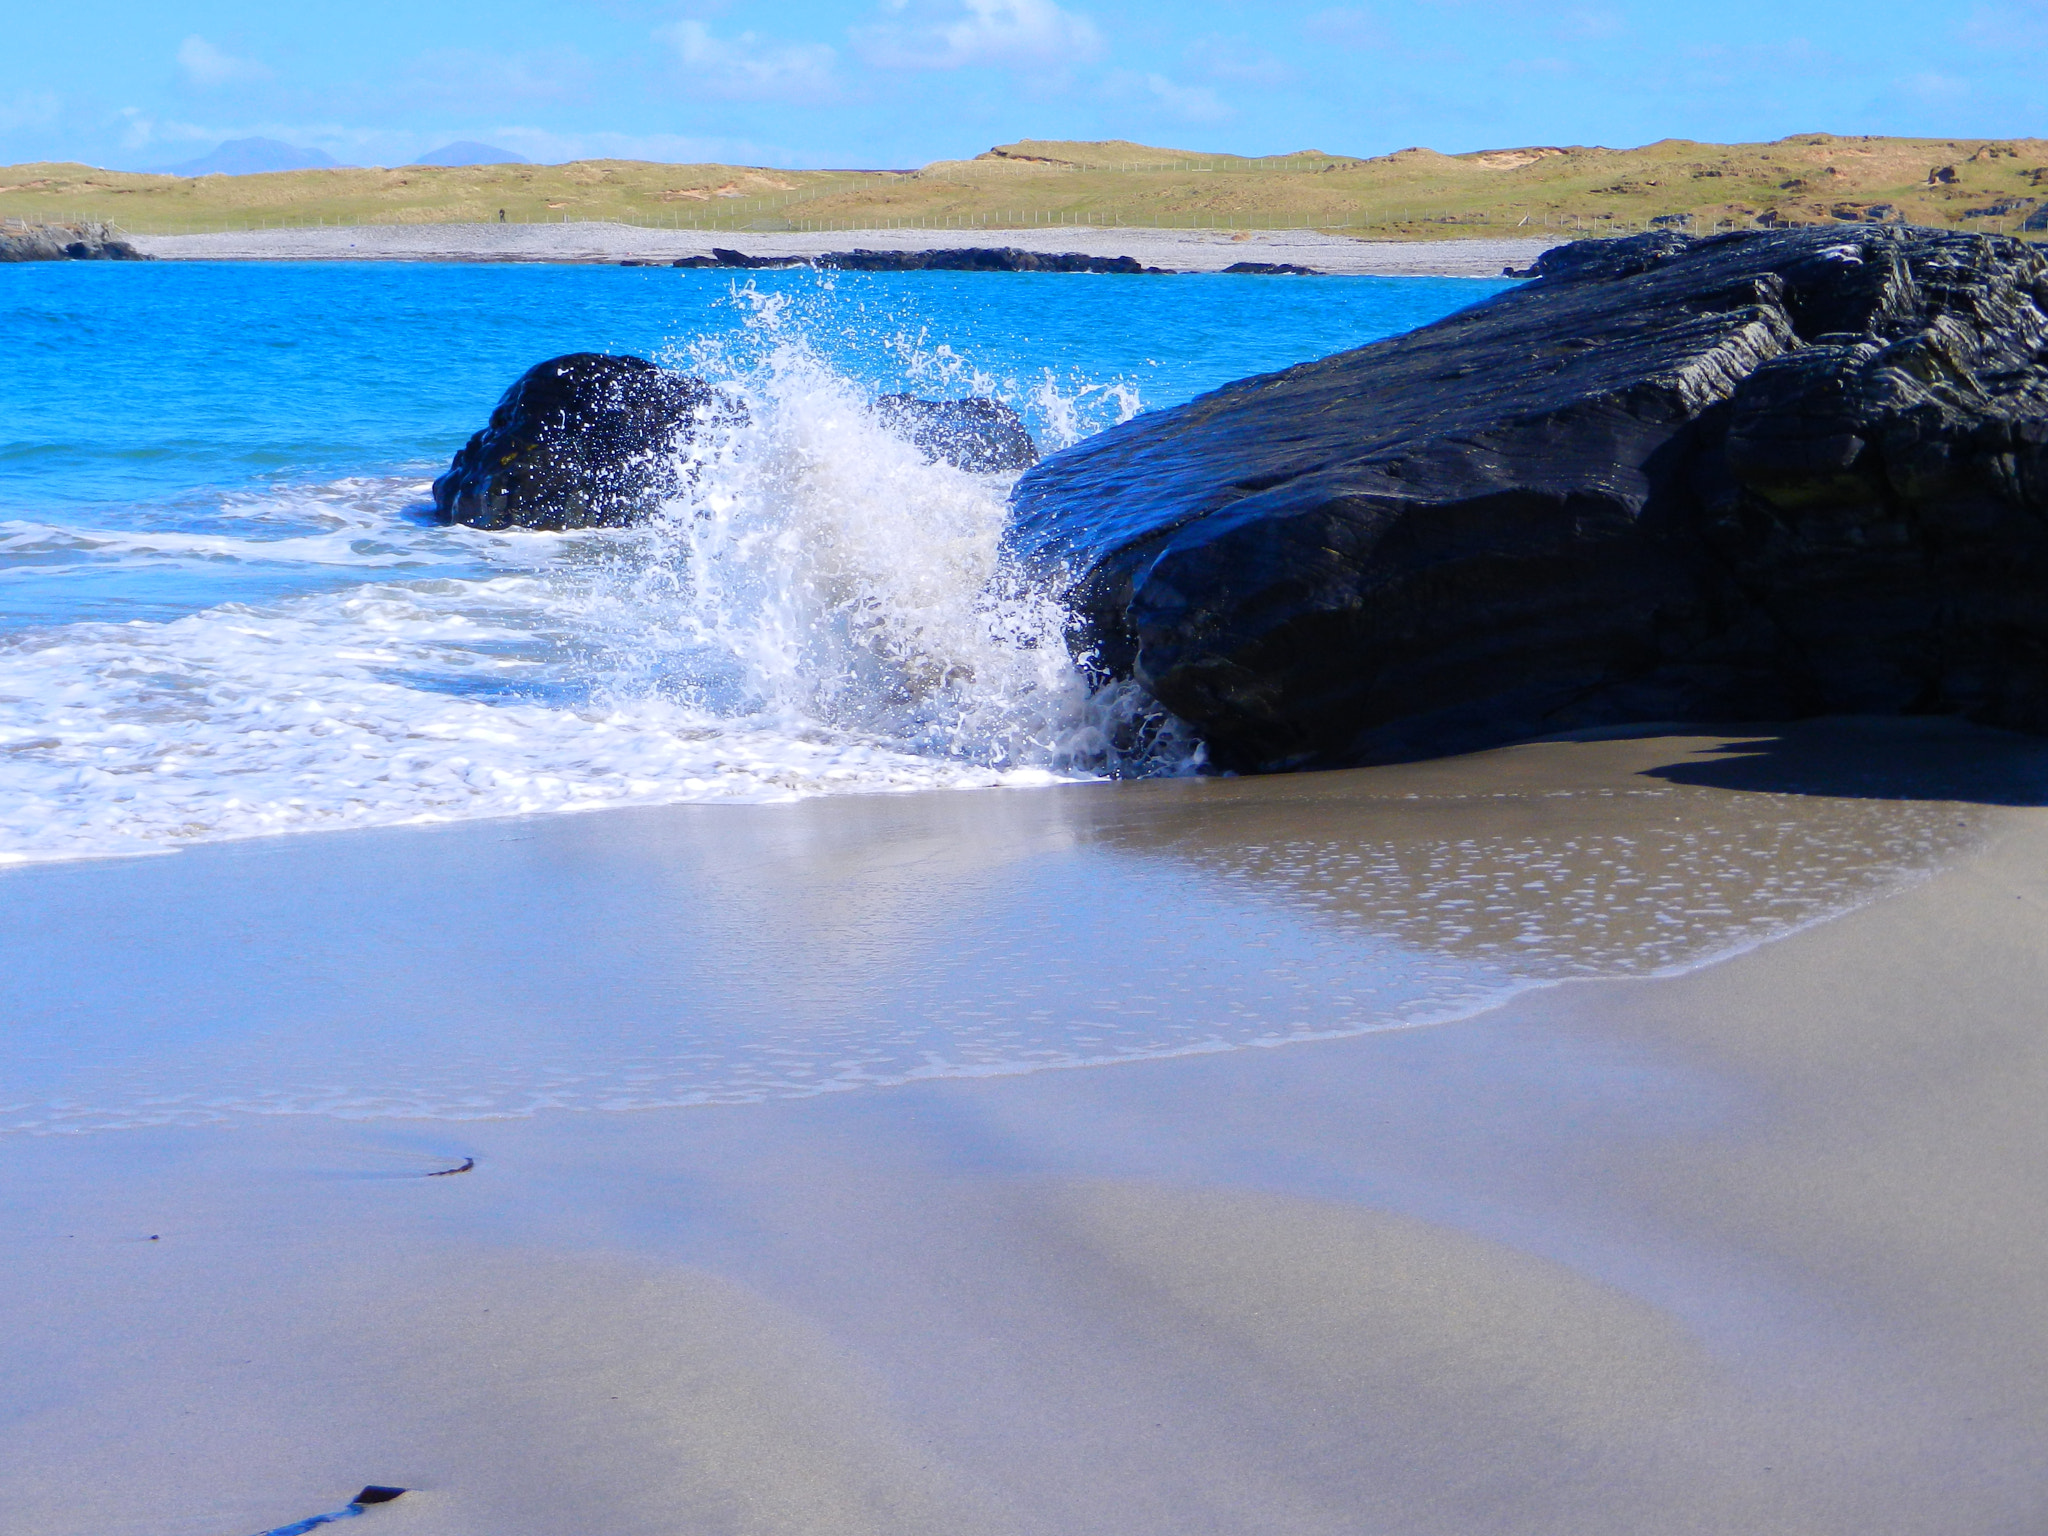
<point>821,572</point>
<point>823,611</point>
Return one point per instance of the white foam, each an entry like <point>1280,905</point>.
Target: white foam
<point>822,614</point>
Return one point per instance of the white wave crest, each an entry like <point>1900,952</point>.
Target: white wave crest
<point>824,612</point>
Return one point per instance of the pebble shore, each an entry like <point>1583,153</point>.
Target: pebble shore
<point>1180,250</point>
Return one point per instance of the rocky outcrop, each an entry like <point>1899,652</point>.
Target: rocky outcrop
<point>1270,269</point>
<point>966,259</point>
<point>582,441</point>
<point>740,260</point>
<point>1757,475</point>
<point>65,242</point>
<point>977,434</point>
<point>982,259</point>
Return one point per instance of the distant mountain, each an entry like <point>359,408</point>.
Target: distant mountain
<point>469,152</point>
<point>248,157</point>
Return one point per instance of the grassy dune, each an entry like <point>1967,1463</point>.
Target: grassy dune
<point>1414,193</point>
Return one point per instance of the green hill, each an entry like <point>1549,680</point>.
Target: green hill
<point>1413,193</point>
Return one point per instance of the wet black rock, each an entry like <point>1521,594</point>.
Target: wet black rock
<point>964,259</point>
<point>725,258</point>
<point>582,441</point>
<point>978,434</point>
<point>1758,475</point>
<point>1270,269</point>
<point>739,260</point>
<point>65,242</point>
<point>982,259</point>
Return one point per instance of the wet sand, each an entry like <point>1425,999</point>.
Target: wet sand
<point>1175,249</point>
<point>1751,1246</point>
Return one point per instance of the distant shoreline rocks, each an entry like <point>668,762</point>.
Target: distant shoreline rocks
<point>962,259</point>
<point>88,241</point>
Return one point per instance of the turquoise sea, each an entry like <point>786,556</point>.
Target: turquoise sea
<point>223,612</point>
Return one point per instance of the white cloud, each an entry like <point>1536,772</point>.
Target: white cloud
<point>1591,25</point>
<point>748,66</point>
<point>2007,28</point>
<point>1937,90</point>
<point>1238,59</point>
<point>674,149</point>
<point>208,67</point>
<point>140,130</point>
<point>1348,27</point>
<point>1191,103</point>
<point>455,75</point>
<point>954,34</point>
<point>29,109</point>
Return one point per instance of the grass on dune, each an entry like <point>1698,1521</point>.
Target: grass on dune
<point>1413,193</point>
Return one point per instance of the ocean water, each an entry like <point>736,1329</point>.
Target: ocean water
<point>224,614</point>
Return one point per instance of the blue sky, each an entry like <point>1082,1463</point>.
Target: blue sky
<point>883,83</point>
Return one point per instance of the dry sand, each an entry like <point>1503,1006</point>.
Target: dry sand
<point>1753,1248</point>
<point>1176,249</point>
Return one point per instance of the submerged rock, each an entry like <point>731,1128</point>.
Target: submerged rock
<point>1757,475</point>
<point>89,241</point>
<point>582,441</point>
<point>978,434</point>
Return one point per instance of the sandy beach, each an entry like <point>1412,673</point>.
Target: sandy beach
<point>1745,1246</point>
<point>1176,249</point>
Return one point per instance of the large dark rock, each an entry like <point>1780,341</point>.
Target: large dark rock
<point>582,441</point>
<point>978,434</point>
<point>1757,475</point>
<point>89,241</point>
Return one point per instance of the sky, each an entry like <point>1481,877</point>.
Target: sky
<point>140,84</point>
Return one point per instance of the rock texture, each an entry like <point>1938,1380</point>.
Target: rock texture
<point>1757,475</point>
<point>720,257</point>
<point>968,259</point>
<point>977,434</point>
<point>582,441</point>
<point>982,259</point>
<point>65,242</point>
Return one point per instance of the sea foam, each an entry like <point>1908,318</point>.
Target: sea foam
<point>823,612</point>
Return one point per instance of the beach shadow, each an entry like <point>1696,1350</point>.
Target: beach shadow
<point>1867,758</point>
<point>1609,852</point>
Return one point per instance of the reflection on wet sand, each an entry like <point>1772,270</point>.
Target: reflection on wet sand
<point>699,954</point>
<point>1583,858</point>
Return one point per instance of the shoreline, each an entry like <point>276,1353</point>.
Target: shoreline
<point>1749,1247</point>
<point>1179,250</point>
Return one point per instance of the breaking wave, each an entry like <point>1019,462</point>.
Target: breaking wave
<point>824,611</point>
